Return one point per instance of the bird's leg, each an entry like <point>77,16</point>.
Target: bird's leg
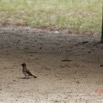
<point>26,75</point>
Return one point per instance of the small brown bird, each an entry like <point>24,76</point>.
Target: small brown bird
<point>26,72</point>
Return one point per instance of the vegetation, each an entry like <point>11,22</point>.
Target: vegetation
<point>79,15</point>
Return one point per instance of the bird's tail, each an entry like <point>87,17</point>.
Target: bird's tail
<point>34,76</point>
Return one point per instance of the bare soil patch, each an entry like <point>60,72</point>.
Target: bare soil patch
<point>68,67</point>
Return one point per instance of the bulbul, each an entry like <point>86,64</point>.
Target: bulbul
<point>26,72</point>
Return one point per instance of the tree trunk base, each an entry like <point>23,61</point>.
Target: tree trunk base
<point>102,40</point>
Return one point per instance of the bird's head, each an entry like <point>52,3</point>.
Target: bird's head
<point>23,65</point>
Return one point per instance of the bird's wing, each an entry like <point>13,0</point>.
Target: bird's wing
<point>28,72</point>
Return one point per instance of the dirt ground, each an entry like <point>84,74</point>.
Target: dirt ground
<point>69,68</point>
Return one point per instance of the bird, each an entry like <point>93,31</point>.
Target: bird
<point>26,72</point>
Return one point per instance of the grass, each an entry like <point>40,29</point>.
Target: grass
<point>79,15</point>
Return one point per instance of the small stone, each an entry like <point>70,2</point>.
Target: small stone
<point>101,65</point>
<point>78,82</point>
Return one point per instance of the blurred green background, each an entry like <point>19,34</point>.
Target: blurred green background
<point>77,15</point>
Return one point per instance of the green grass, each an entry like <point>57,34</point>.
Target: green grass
<point>79,15</point>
